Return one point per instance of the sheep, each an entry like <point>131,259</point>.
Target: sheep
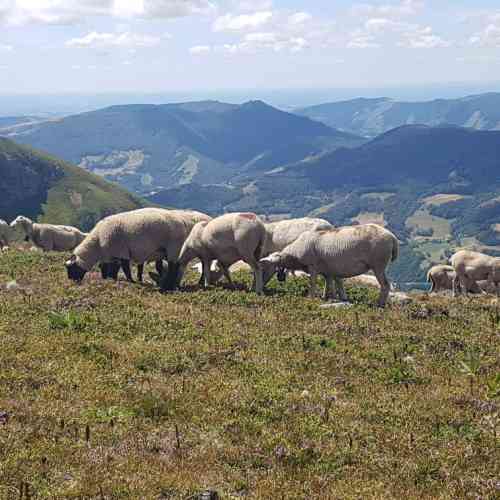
<point>339,253</point>
<point>138,236</point>
<point>471,267</point>
<point>5,234</point>
<point>227,239</point>
<point>283,233</point>
<point>48,237</point>
<point>441,278</point>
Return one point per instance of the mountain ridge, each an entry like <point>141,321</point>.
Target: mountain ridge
<point>149,147</point>
<point>371,117</point>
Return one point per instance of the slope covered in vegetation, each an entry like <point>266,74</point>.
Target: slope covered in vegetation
<point>41,186</point>
<point>116,391</point>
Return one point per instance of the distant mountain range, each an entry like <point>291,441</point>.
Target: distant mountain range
<point>149,147</point>
<point>49,189</point>
<point>371,117</point>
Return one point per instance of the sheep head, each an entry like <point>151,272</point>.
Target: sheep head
<point>75,271</point>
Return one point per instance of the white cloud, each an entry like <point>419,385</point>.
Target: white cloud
<point>488,37</point>
<point>199,50</point>
<point>20,12</point>
<point>6,48</point>
<point>359,41</point>
<point>299,18</point>
<point>377,32</point>
<point>242,22</point>
<point>106,40</point>
<point>396,10</point>
<point>252,5</point>
<point>423,39</point>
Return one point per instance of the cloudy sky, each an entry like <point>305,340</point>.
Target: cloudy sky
<point>161,45</point>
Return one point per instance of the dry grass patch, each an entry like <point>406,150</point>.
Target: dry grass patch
<point>370,218</point>
<point>422,220</point>
<point>443,199</point>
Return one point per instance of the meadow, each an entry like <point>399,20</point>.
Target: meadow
<point>113,391</point>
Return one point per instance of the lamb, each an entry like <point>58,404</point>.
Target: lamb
<point>227,239</point>
<point>48,237</point>
<point>441,278</point>
<point>5,234</point>
<point>341,253</point>
<point>138,236</point>
<point>284,233</point>
<point>471,267</point>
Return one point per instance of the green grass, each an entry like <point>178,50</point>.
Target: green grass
<point>115,391</point>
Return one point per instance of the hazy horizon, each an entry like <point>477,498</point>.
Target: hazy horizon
<point>287,99</point>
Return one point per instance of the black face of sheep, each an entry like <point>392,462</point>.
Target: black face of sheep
<point>281,274</point>
<point>75,272</point>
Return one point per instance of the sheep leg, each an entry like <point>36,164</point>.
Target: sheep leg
<point>341,290</point>
<point>159,266</point>
<point>329,293</point>
<point>464,283</point>
<point>313,276</point>
<point>140,272</point>
<point>385,287</point>
<point>207,264</point>
<point>227,275</point>
<point>456,286</point>
<point>259,282</point>
<point>126,269</point>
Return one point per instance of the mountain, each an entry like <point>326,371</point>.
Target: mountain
<point>371,117</point>
<point>151,147</point>
<point>44,187</point>
<point>12,121</point>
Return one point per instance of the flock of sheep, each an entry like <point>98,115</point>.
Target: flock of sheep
<point>178,237</point>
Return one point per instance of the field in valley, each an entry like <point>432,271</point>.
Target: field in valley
<point>114,391</point>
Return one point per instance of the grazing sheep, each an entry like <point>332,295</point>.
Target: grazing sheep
<point>5,234</point>
<point>283,233</point>
<point>471,267</point>
<point>138,236</point>
<point>227,239</point>
<point>48,237</point>
<point>441,278</point>
<point>341,253</point>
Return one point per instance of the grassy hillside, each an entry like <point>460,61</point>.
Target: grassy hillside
<point>40,186</point>
<point>371,117</point>
<point>116,391</point>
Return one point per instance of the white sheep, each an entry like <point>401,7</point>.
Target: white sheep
<point>471,267</point>
<point>441,278</point>
<point>137,236</point>
<point>5,234</point>
<point>48,237</point>
<point>341,253</point>
<point>283,233</point>
<point>227,239</point>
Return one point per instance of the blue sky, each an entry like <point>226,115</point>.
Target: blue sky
<point>93,46</point>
